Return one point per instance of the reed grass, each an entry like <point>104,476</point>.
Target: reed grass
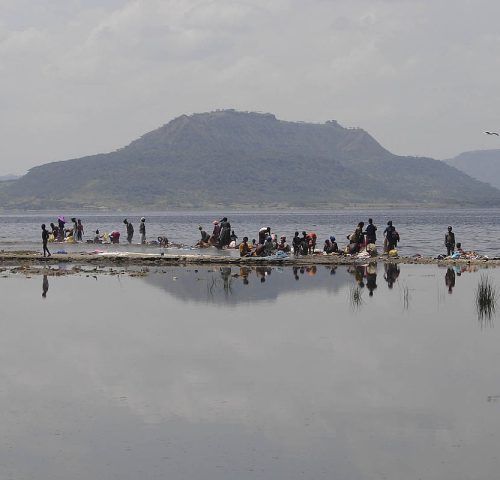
<point>355,296</point>
<point>486,299</point>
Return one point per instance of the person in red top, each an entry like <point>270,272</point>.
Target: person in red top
<point>311,241</point>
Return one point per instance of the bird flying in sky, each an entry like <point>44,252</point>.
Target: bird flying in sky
<point>492,133</point>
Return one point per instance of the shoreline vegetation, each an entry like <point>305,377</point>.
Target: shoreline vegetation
<point>33,262</point>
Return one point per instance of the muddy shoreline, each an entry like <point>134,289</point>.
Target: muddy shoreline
<point>35,260</point>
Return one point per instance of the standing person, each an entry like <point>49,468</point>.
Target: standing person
<point>215,233</point>
<point>370,235</point>
<point>60,234</point>
<point>225,233</point>
<point>130,230</point>
<point>74,229</point>
<point>142,230</point>
<point>304,243</point>
<point>79,230</point>
<point>391,237</point>
<point>296,241</point>
<point>45,239</point>
<point>263,234</point>
<point>449,241</point>
<point>311,241</point>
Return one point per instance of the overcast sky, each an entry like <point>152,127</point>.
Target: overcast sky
<point>79,77</point>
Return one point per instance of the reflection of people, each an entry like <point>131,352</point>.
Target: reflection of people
<point>45,286</point>
<point>391,273</point>
<point>449,279</point>
<point>312,270</point>
<point>359,274</point>
<point>244,272</point>
<point>371,277</point>
<point>261,273</point>
<point>225,273</point>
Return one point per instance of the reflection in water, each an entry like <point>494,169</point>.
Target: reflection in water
<point>486,301</point>
<point>359,274</point>
<point>391,274</point>
<point>231,285</point>
<point>371,277</point>
<point>356,296</point>
<point>218,390</point>
<point>449,279</point>
<point>262,272</point>
<point>225,273</point>
<point>45,286</point>
<point>261,282</point>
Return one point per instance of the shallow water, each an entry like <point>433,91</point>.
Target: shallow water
<point>421,230</point>
<point>207,373</point>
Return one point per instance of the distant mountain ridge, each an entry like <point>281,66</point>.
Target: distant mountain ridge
<point>483,165</point>
<point>7,178</point>
<point>241,159</point>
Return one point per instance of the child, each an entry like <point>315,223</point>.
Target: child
<point>45,239</point>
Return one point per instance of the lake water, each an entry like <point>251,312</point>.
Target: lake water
<point>421,230</point>
<point>355,373</point>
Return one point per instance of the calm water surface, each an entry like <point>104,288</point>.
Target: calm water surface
<point>249,374</point>
<point>422,231</point>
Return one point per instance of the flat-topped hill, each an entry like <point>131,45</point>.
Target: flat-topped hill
<point>240,159</point>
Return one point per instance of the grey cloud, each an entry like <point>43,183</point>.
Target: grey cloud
<point>85,77</point>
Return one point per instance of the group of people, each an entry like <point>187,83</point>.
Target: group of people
<point>366,239</point>
<point>455,250</point>
<point>222,235</point>
<point>114,236</point>
<point>305,244</point>
<point>61,233</point>
<point>267,243</point>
